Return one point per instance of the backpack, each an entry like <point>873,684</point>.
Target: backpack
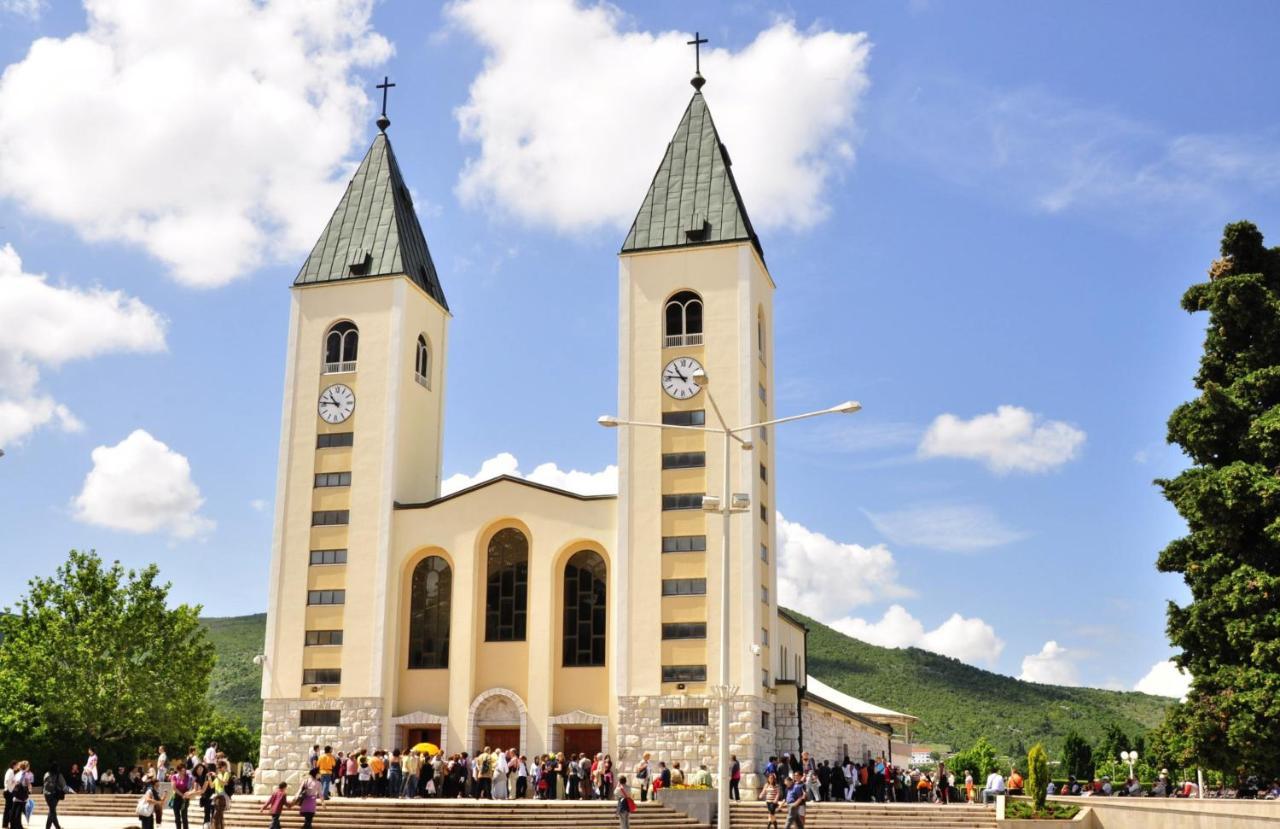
<point>53,787</point>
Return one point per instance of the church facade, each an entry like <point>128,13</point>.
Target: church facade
<point>514,614</point>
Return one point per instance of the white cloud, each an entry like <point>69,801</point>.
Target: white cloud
<point>1053,665</point>
<point>1165,679</point>
<point>807,560</point>
<point>140,485</point>
<point>211,133</point>
<point>573,110</point>
<point>1055,155</point>
<point>604,482</point>
<point>43,326</point>
<point>259,505</point>
<point>1011,439</point>
<point>957,528</point>
<point>969,640</point>
<point>23,8</point>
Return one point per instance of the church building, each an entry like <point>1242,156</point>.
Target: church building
<point>512,614</point>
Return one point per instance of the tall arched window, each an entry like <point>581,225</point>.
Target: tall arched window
<point>684,319</point>
<point>760,335</point>
<point>422,363</point>
<point>585,588</point>
<point>431,597</point>
<point>340,347</point>
<point>507,587</point>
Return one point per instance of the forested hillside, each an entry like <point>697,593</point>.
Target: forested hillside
<point>958,703</point>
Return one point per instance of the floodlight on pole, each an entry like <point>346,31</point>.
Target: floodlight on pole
<point>727,504</point>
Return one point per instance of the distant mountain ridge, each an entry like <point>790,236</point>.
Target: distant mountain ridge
<point>956,703</point>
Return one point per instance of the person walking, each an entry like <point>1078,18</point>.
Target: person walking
<point>771,795</point>
<point>308,797</point>
<point>150,803</point>
<point>626,805</point>
<point>735,777</point>
<point>797,795</point>
<point>221,794</point>
<point>55,788</point>
<point>180,783</point>
<point>91,773</point>
<point>276,804</point>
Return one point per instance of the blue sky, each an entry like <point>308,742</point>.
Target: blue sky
<point>965,207</point>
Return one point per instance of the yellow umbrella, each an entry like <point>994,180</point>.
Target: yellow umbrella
<point>429,749</point>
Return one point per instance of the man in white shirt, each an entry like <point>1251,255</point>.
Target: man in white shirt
<point>162,765</point>
<point>10,780</point>
<point>995,786</point>
<point>211,754</point>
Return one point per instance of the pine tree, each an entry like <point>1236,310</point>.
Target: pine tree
<point>1229,634</point>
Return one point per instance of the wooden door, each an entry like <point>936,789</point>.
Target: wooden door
<point>582,740</point>
<point>423,734</point>
<point>503,738</point>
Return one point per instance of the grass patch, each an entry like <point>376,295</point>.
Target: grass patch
<point>1025,810</point>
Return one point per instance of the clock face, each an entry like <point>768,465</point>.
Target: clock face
<point>677,378</point>
<point>337,403</point>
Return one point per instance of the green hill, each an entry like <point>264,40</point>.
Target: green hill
<point>236,685</point>
<point>956,703</point>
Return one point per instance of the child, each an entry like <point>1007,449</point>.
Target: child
<point>276,804</point>
<point>625,804</point>
<point>771,794</point>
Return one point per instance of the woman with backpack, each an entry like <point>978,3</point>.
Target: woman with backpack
<point>55,788</point>
<point>625,804</point>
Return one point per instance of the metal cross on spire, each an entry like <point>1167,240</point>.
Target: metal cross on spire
<point>696,43</point>
<point>383,120</point>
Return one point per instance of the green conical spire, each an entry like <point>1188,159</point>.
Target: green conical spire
<point>693,199</point>
<point>374,231</point>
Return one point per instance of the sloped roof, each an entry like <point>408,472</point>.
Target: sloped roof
<point>693,199</point>
<point>818,688</point>
<point>511,479</point>
<point>374,231</point>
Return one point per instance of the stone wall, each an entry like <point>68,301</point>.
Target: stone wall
<point>828,736</point>
<point>286,744</point>
<point>640,729</point>
<point>786,728</point>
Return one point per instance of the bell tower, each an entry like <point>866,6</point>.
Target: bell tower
<point>694,292</point>
<point>361,429</point>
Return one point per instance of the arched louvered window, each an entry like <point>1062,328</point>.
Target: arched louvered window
<point>585,591</point>
<point>684,320</point>
<point>507,587</point>
<point>422,363</point>
<point>340,347</point>
<point>430,600</point>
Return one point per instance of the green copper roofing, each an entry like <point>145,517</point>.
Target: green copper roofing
<point>693,199</point>
<point>374,231</point>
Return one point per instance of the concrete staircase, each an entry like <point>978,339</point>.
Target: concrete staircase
<point>344,813</point>
<point>873,816</point>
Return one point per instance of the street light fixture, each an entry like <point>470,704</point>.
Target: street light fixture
<point>727,504</point>
<point>1129,757</point>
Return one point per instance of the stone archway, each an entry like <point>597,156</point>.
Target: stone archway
<point>556,724</point>
<point>496,708</point>
<point>418,719</point>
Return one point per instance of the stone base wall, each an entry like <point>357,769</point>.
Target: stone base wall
<point>640,729</point>
<point>786,728</point>
<point>286,744</point>
<point>829,737</point>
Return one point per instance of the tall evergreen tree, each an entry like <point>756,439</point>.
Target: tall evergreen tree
<point>1229,634</point>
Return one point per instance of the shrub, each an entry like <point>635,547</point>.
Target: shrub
<point>1037,775</point>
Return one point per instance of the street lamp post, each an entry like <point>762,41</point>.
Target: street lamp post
<point>726,505</point>
<point>1129,757</point>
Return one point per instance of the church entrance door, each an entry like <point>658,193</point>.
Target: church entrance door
<point>422,734</point>
<point>582,740</point>
<point>502,738</point>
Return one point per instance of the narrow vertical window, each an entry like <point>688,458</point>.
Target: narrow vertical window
<point>430,600</point>
<point>422,363</point>
<point>585,591</point>
<point>507,587</point>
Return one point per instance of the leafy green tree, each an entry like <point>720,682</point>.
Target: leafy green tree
<point>1229,634</point>
<point>1038,775</point>
<point>1077,756</point>
<point>1114,741</point>
<point>231,735</point>
<point>94,657</point>
<point>980,759</point>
